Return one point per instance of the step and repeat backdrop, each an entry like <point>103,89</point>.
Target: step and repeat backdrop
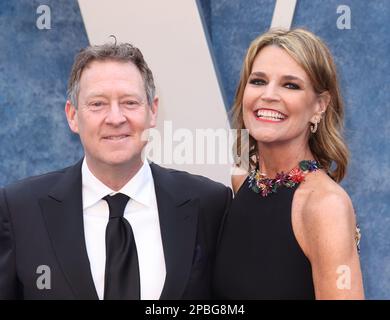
<point>195,49</point>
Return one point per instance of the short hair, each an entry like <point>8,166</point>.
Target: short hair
<point>123,52</point>
<point>311,53</point>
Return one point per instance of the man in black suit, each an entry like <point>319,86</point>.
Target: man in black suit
<point>111,226</point>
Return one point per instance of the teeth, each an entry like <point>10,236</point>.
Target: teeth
<point>116,138</point>
<point>271,115</point>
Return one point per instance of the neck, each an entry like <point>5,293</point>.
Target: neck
<point>275,158</point>
<point>114,176</point>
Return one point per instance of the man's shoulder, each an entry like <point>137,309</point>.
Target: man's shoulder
<point>188,180</point>
<point>36,183</point>
<point>212,195</point>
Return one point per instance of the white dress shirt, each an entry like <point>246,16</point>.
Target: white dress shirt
<point>142,214</point>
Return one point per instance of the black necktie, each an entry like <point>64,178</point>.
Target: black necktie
<point>122,271</point>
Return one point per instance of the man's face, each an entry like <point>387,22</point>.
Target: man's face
<point>112,114</point>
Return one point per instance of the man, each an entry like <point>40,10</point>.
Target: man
<point>112,226</point>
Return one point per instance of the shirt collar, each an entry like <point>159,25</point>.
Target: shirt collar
<point>140,188</point>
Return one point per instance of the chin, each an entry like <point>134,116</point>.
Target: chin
<point>121,159</point>
<point>269,140</point>
<point>263,136</point>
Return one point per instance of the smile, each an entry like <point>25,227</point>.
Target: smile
<point>270,115</point>
<point>114,138</point>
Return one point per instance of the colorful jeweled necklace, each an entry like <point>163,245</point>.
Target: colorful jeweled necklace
<point>264,186</point>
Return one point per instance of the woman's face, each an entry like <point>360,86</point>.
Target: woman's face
<point>279,101</point>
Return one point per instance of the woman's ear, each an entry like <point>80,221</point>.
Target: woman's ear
<point>321,106</point>
<point>323,101</point>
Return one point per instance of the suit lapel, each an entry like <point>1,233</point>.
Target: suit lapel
<point>178,215</point>
<point>63,213</point>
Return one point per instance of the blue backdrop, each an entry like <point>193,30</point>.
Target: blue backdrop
<point>34,66</point>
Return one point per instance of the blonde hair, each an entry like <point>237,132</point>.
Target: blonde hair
<point>310,52</point>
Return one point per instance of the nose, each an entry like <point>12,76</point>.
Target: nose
<point>115,115</point>
<point>270,93</point>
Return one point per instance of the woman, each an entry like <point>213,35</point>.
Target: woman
<point>291,231</point>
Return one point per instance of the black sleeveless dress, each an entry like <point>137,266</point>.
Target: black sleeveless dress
<point>258,256</point>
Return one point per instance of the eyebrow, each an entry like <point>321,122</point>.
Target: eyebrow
<point>285,77</point>
<point>97,94</point>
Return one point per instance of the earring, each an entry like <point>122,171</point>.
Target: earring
<point>313,127</point>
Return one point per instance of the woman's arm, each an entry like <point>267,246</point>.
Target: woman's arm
<point>329,230</point>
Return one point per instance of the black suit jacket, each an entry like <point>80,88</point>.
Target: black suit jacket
<point>41,223</point>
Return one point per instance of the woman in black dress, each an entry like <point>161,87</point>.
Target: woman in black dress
<point>291,231</point>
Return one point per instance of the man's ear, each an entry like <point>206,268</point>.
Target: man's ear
<point>71,116</point>
<point>153,113</point>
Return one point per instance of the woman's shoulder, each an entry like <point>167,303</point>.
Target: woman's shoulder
<point>324,194</point>
<point>327,212</point>
<point>327,234</point>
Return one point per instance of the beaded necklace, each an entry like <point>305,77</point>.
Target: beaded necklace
<point>264,186</point>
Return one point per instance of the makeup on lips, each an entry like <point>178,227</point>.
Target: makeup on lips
<point>269,115</point>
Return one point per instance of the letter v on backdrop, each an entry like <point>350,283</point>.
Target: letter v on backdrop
<point>171,36</point>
